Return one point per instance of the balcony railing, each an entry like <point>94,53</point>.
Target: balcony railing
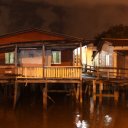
<point>107,72</point>
<point>50,72</point>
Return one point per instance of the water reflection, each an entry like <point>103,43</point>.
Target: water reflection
<point>64,113</point>
<point>91,107</point>
<point>107,120</point>
<point>96,115</point>
<point>79,123</point>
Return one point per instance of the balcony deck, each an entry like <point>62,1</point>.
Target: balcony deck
<point>51,74</point>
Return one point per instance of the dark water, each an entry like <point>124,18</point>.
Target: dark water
<point>64,113</point>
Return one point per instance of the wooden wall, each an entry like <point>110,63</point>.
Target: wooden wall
<point>66,58</point>
<point>126,61</point>
<point>120,61</point>
<point>2,58</point>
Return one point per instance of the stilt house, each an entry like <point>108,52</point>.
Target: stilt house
<point>113,54</point>
<point>36,56</point>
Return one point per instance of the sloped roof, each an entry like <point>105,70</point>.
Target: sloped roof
<point>37,37</point>
<point>114,42</point>
<point>117,42</point>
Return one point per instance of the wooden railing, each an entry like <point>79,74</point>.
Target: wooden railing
<point>29,72</point>
<point>108,72</point>
<point>50,72</point>
<point>7,70</point>
<point>112,72</point>
<point>66,72</point>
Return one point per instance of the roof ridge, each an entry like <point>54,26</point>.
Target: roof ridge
<point>42,31</point>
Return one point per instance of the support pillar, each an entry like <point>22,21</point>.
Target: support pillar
<point>73,90</point>
<point>5,91</point>
<point>115,63</point>
<point>44,91</point>
<point>43,60</point>
<point>80,54</point>
<point>100,90</point>
<point>15,95</point>
<point>77,92</point>
<point>116,95</point>
<point>94,90</point>
<point>81,98</point>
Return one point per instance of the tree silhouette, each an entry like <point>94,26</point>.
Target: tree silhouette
<point>117,31</point>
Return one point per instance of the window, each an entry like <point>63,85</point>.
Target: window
<point>56,57</point>
<point>9,58</point>
<point>107,60</point>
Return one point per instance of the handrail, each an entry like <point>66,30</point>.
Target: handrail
<point>107,72</point>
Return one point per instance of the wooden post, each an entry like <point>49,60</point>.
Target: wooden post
<point>44,91</point>
<point>94,90</point>
<point>15,94</point>
<point>115,63</point>
<point>100,90</point>
<point>99,60</point>
<point>73,91</point>
<point>5,91</point>
<point>86,56</point>
<point>16,60</point>
<point>80,54</point>
<point>116,95</point>
<point>77,92</point>
<point>77,58</point>
<point>81,97</point>
<point>89,89</point>
<point>43,59</point>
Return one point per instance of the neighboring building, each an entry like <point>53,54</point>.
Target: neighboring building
<point>112,53</point>
<point>90,50</point>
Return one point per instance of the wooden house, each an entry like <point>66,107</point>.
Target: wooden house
<point>36,56</point>
<point>113,54</point>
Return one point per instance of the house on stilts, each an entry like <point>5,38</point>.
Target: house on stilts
<point>36,56</point>
<point>110,66</point>
<point>113,54</point>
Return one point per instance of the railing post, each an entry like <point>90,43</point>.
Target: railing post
<point>16,60</point>
<point>80,54</point>
<point>43,60</point>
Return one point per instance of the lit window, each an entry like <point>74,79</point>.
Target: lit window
<point>107,60</point>
<point>56,57</point>
<point>9,58</point>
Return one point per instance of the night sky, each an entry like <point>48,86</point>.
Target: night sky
<point>81,18</point>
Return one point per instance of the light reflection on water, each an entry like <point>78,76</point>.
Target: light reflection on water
<point>64,113</point>
<point>98,116</point>
<point>107,120</point>
<point>81,124</point>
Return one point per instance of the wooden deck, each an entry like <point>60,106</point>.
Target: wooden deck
<point>43,75</point>
<point>101,78</point>
<point>46,74</point>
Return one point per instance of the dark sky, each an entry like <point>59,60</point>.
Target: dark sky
<point>82,18</point>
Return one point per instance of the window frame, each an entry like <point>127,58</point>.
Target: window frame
<point>60,58</point>
<point>9,58</point>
